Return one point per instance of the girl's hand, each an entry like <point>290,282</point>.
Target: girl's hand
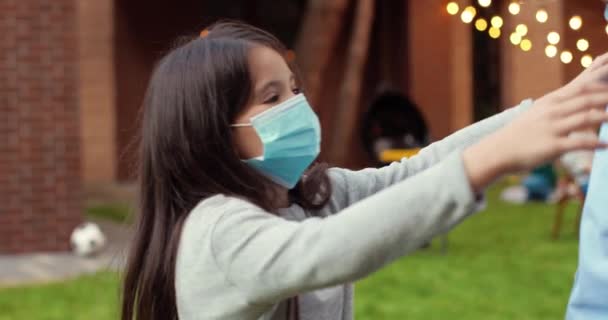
<point>596,72</point>
<point>539,135</point>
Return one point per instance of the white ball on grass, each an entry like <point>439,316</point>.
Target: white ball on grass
<point>87,239</point>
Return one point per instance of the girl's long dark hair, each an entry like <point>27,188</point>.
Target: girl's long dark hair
<point>186,154</point>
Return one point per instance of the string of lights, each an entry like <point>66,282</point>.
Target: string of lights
<point>519,36</point>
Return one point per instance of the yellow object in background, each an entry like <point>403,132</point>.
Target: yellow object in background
<point>391,155</point>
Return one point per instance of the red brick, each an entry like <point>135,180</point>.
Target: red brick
<point>39,83</point>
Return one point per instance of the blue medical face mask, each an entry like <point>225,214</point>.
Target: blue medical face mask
<point>291,135</point>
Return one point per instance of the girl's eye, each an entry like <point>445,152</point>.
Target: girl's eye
<point>296,91</point>
<point>273,99</point>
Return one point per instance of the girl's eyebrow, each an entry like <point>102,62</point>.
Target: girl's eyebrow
<point>272,83</point>
<point>267,86</point>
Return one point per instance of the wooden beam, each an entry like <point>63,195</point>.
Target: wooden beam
<point>346,113</point>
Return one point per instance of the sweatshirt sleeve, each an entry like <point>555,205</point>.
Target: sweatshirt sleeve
<point>353,186</point>
<point>269,258</point>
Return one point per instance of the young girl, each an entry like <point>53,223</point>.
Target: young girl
<point>235,223</point>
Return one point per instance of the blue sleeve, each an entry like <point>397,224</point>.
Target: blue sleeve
<point>589,298</point>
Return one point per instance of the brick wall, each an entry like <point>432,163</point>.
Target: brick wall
<point>531,74</point>
<point>39,125</point>
<point>440,66</point>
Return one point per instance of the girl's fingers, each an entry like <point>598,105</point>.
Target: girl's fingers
<point>568,144</point>
<point>582,120</point>
<point>599,73</point>
<point>594,99</point>
<point>599,61</point>
<point>589,88</point>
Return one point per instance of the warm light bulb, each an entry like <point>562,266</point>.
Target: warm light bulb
<point>542,15</point>
<point>481,24</point>
<point>526,45</point>
<point>494,32</point>
<point>586,61</point>
<point>468,14</point>
<point>566,57</point>
<point>553,37</point>
<point>452,8</point>
<point>521,29</point>
<point>551,51</point>
<point>496,22</point>
<point>582,45</point>
<point>576,22</point>
<point>514,8</point>
<point>484,3</point>
<point>607,29</point>
<point>515,38</point>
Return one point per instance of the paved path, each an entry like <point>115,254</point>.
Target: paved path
<point>48,267</point>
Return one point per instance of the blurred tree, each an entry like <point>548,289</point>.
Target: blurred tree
<point>346,113</point>
<point>319,34</point>
<point>323,29</point>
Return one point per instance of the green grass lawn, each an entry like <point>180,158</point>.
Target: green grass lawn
<point>118,212</point>
<point>91,297</point>
<point>501,264</point>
